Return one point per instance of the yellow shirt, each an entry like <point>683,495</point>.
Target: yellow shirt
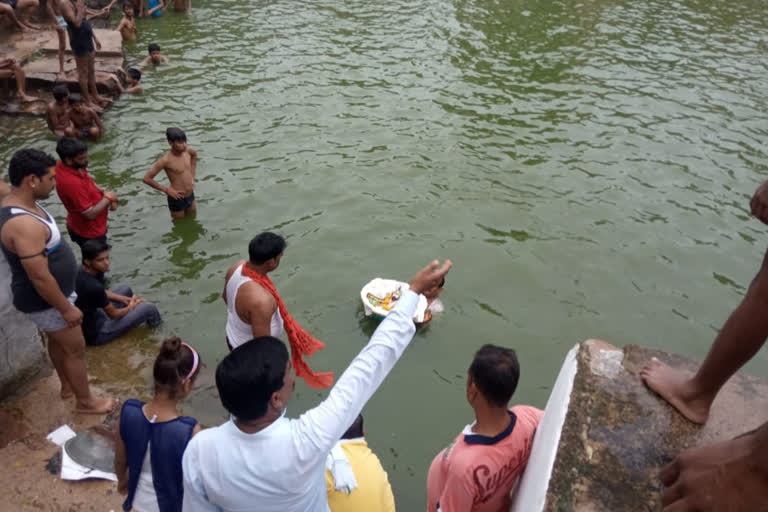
<point>373,492</point>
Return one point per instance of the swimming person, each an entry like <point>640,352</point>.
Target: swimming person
<point>478,470</point>
<point>152,436</point>
<point>57,113</point>
<point>107,315</point>
<point>354,477</point>
<point>154,56</point>
<point>180,165</point>
<point>262,460</point>
<point>255,309</point>
<point>85,119</point>
<point>43,269</point>
<point>132,78</point>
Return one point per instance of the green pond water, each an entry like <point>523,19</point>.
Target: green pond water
<point>586,165</point>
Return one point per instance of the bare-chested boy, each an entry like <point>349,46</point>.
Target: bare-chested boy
<point>86,120</point>
<point>127,25</point>
<point>132,79</point>
<point>179,164</point>
<point>154,57</point>
<point>58,113</point>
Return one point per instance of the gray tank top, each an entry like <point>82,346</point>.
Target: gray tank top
<point>61,263</point>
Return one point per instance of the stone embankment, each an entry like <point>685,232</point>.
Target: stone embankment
<point>37,54</point>
<point>605,436</point>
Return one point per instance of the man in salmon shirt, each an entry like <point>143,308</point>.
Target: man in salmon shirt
<point>479,469</point>
<point>87,204</point>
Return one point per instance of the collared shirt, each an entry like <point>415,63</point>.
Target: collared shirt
<point>282,467</point>
<point>78,192</point>
<point>477,473</point>
<point>373,492</point>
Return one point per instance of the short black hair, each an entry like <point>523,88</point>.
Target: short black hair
<point>92,248</point>
<point>495,371</point>
<point>355,430</point>
<point>75,98</point>
<point>153,47</point>
<point>68,147</point>
<point>135,73</point>
<point>175,135</point>
<point>264,247</point>
<point>60,92</point>
<point>26,162</point>
<point>248,376</point>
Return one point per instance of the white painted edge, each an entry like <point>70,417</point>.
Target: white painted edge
<point>531,491</point>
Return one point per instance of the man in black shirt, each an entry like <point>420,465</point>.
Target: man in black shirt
<point>107,314</point>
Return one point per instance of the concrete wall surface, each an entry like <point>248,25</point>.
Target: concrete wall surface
<point>22,355</point>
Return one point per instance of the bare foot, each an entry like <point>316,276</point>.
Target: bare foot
<point>101,100</point>
<point>675,387</point>
<point>718,477</point>
<point>96,406</point>
<point>66,389</point>
<point>26,98</point>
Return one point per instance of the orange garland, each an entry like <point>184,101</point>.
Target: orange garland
<point>302,343</point>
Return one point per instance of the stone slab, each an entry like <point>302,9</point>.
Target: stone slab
<point>111,43</point>
<point>618,434</point>
<point>21,349</point>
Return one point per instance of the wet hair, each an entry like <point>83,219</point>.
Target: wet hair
<point>60,92</point>
<point>92,248</point>
<point>355,430</point>
<point>264,247</point>
<point>495,372</point>
<point>175,135</point>
<point>75,98</point>
<point>128,6</point>
<point>248,376</point>
<point>153,47</point>
<point>135,73</point>
<point>28,162</point>
<point>173,364</point>
<point>68,147</point>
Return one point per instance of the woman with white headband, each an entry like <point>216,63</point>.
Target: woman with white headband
<point>152,436</point>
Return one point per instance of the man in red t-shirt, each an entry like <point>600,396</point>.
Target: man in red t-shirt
<point>86,202</point>
<point>479,469</point>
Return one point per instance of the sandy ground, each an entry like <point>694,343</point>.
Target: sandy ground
<point>25,420</point>
<point>122,369</point>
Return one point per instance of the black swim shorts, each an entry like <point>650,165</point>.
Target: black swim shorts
<point>81,39</point>
<point>180,205</point>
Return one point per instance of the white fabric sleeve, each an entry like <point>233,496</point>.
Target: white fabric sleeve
<point>195,498</point>
<point>318,429</point>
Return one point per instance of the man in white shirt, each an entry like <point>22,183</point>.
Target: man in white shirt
<point>261,460</point>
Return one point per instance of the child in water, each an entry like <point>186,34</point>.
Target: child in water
<point>132,78</point>
<point>154,57</point>
<point>180,165</point>
<point>152,436</point>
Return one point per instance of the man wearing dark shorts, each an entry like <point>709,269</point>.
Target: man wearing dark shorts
<point>43,270</point>
<point>82,41</point>
<point>107,315</point>
<point>87,203</point>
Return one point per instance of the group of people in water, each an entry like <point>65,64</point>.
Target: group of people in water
<point>165,461</point>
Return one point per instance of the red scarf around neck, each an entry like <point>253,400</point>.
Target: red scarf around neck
<point>302,343</point>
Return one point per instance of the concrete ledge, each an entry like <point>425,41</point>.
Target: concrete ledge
<point>21,350</point>
<point>617,434</point>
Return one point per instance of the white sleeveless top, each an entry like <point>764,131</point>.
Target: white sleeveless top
<point>54,238</point>
<point>238,332</point>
